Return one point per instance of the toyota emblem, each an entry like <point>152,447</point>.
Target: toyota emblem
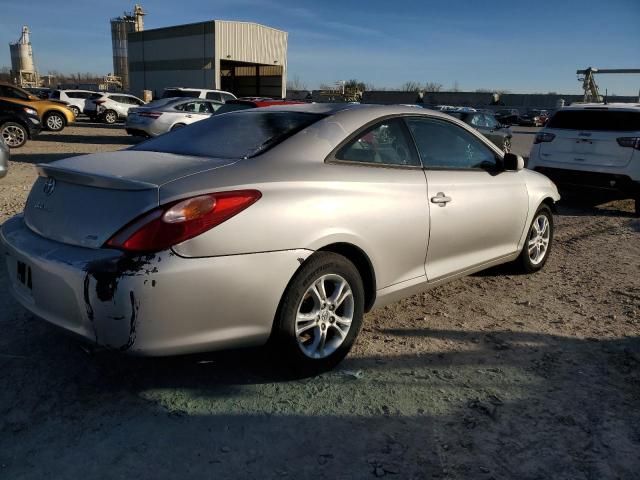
<point>49,186</point>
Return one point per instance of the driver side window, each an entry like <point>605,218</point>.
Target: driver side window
<point>386,143</point>
<point>447,146</point>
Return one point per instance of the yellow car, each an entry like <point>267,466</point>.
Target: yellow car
<point>54,115</point>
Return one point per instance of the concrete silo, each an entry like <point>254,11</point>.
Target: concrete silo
<point>23,69</point>
<point>120,29</point>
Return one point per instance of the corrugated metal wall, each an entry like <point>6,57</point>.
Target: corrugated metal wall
<point>251,43</point>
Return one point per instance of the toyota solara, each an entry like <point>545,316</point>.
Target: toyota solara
<point>278,226</point>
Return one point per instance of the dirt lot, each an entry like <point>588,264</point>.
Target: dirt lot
<point>497,376</point>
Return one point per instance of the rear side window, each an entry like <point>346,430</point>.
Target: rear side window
<point>55,95</point>
<point>213,96</point>
<point>386,143</point>
<point>599,120</point>
<point>95,96</point>
<point>227,97</point>
<point>238,135</point>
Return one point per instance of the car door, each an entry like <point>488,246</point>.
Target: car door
<point>382,192</point>
<point>477,210</point>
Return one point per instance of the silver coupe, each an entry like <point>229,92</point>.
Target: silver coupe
<point>279,225</point>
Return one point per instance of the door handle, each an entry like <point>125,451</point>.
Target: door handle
<point>441,199</point>
<point>189,116</point>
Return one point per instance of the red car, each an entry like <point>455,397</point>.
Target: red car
<point>252,102</point>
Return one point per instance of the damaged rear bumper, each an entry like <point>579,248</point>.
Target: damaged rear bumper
<point>160,304</point>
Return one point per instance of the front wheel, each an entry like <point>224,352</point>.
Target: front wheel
<point>13,134</point>
<point>320,314</point>
<point>54,121</point>
<point>537,245</point>
<point>506,145</point>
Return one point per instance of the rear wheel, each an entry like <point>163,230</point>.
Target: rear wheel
<point>320,314</point>
<point>13,134</point>
<point>110,117</point>
<point>178,126</point>
<point>54,121</point>
<point>75,110</point>
<point>537,245</point>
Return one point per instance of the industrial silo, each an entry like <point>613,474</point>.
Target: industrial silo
<point>23,70</point>
<point>120,29</point>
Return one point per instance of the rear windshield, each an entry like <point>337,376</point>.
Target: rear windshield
<point>236,135</point>
<point>602,120</point>
<point>174,93</point>
<point>232,107</point>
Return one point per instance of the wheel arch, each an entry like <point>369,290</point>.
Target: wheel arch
<point>362,262</point>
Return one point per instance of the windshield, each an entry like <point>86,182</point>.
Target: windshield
<point>237,135</point>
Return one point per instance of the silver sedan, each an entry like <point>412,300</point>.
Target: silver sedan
<point>279,225</point>
<point>168,114</point>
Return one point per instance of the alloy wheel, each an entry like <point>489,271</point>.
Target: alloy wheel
<point>324,316</point>
<point>55,122</point>
<point>13,136</point>
<point>110,117</point>
<point>538,240</point>
<point>506,145</point>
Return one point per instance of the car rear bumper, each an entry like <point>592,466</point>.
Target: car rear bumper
<point>592,180</point>
<point>158,304</point>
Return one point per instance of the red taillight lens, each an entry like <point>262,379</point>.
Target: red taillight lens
<point>179,221</point>
<point>544,137</point>
<point>149,114</point>
<point>629,142</point>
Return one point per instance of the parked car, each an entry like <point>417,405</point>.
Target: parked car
<point>110,107</point>
<point>217,95</point>
<point>533,118</point>
<point>4,158</point>
<point>54,115</point>
<point>18,123</point>
<point>486,124</point>
<point>592,146</point>
<point>76,99</point>
<point>235,105</point>
<point>508,116</point>
<point>40,92</point>
<point>168,114</point>
<point>281,224</point>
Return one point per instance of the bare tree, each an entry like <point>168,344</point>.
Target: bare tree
<point>456,87</point>
<point>432,87</point>
<point>411,87</point>
<point>295,83</point>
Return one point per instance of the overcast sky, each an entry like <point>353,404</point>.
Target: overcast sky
<point>516,45</point>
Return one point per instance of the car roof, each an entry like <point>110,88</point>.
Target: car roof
<point>193,89</point>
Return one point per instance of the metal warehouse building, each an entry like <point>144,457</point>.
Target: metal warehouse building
<point>244,58</point>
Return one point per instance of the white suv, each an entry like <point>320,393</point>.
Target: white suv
<point>217,95</point>
<point>592,145</point>
<point>111,107</point>
<point>76,99</point>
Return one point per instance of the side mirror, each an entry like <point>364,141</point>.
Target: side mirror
<point>513,162</point>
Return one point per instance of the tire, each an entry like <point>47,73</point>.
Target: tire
<point>506,145</point>
<point>177,126</point>
<point>54,121</point>
<point>75,110</point>
<point>14,134</point>
<point>301,309</point>
<point>110,117</point>
<point>532,258</point>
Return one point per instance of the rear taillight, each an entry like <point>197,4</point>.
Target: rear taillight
<point>179,221</point>
<point>149,114</point>
<point>629,142</point>
<point>544,137</point>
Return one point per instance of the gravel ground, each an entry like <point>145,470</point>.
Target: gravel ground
<point>496,376</point>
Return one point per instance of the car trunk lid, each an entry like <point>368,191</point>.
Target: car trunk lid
<point>85,200</point>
